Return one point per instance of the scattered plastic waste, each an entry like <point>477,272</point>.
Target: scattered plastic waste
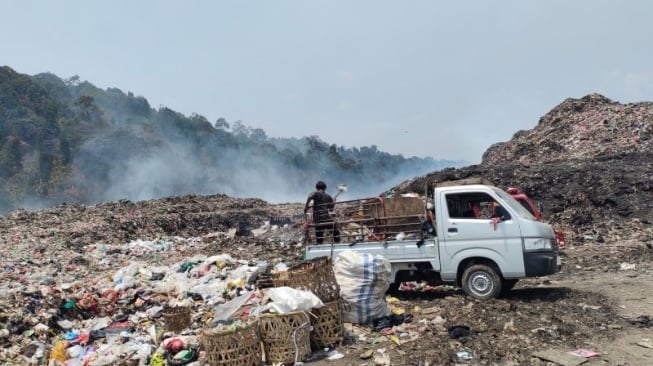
<point>464,355</point>
<point>582,352</point>
<point>392,300</point>
<point>334,355</point>
<point>367,354</point>
<point>108,306</point>
<point>624,266</point>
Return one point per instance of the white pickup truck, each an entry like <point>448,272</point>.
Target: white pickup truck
<point>473,236</point>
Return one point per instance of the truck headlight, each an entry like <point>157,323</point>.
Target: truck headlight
<point>538,244</point>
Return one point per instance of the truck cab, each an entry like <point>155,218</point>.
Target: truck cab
<point>484,252</point>
<point>502,244</point>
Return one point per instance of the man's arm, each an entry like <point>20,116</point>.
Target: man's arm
<point>308,201</point>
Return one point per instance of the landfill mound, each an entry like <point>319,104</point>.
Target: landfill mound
<point>588,162</point>
<point>103,303</point>
<point>90,285</point>
<point>584,128</point>
<point>600,200</point>
<point>113,222</point>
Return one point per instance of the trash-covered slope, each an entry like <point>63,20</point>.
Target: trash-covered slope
<point>586,128</point>
<point>589,163</point>
<point>65,284</point>
<point>190,215</point>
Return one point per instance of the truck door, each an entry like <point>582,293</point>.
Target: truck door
<point>476,224</point>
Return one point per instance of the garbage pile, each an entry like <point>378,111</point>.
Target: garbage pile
<point>588,162</point>
<point>580,129</point>
<point>165,301</point>
<point>76,226</point>
<point>100,303</point>
<point>89,313</point>
<point>160,302</point>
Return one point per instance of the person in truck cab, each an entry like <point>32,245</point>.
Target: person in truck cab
<point>473,210</point>
<point>499,212</point>
<point>322,206</point>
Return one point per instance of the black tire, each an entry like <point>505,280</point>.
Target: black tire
<point>481,282</point>
<point>507,285</point>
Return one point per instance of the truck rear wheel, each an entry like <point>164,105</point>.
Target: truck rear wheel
<point>481,281</point>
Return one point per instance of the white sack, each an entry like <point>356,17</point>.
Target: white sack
<point>287,300</point>
<point>173,283</point>
<point>363,280</point>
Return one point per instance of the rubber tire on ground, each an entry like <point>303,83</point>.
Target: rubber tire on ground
<point>507,285</point>
<point>481,281</point>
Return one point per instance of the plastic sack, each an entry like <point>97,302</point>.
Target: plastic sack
<point>363,279</point>
<point>143,352</point>
<point>208,290</point>
<point>220,260</point>
<point>241,273</point>
<point>287,300</point>
<point>172,283</point>
<point>124,283</point>
<point>227,310</point>
<point>130,270</point>
<point>58,353</point>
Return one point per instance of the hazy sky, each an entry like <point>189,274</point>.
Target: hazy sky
<point>427,78</point>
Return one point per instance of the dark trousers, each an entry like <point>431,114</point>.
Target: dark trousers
<point>320,228</point>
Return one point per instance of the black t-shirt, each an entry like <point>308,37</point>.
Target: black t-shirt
<point>322,204</point>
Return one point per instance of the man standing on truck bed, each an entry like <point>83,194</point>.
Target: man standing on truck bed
<point>322,207</point>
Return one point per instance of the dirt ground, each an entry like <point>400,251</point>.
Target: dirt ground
<point>632,296</point>
<point>605,308</point>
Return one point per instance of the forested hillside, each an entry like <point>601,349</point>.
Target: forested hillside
<point>69,141</point>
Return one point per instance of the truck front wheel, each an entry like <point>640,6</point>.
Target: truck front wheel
<point>481,281</point>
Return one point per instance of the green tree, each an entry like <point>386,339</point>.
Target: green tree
<point>10,157</point>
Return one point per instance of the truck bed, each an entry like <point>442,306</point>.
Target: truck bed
<point>393,251</point>
<point>371,219</point>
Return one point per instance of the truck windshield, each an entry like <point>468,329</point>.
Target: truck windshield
<point>526,206</point>
<point>514,205</point>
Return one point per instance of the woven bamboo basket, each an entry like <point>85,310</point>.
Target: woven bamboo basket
<point>241,347</point>
<point>315,275</point>
<point>176,318</point>
<point>327,325</point>
<point>286,337</point>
